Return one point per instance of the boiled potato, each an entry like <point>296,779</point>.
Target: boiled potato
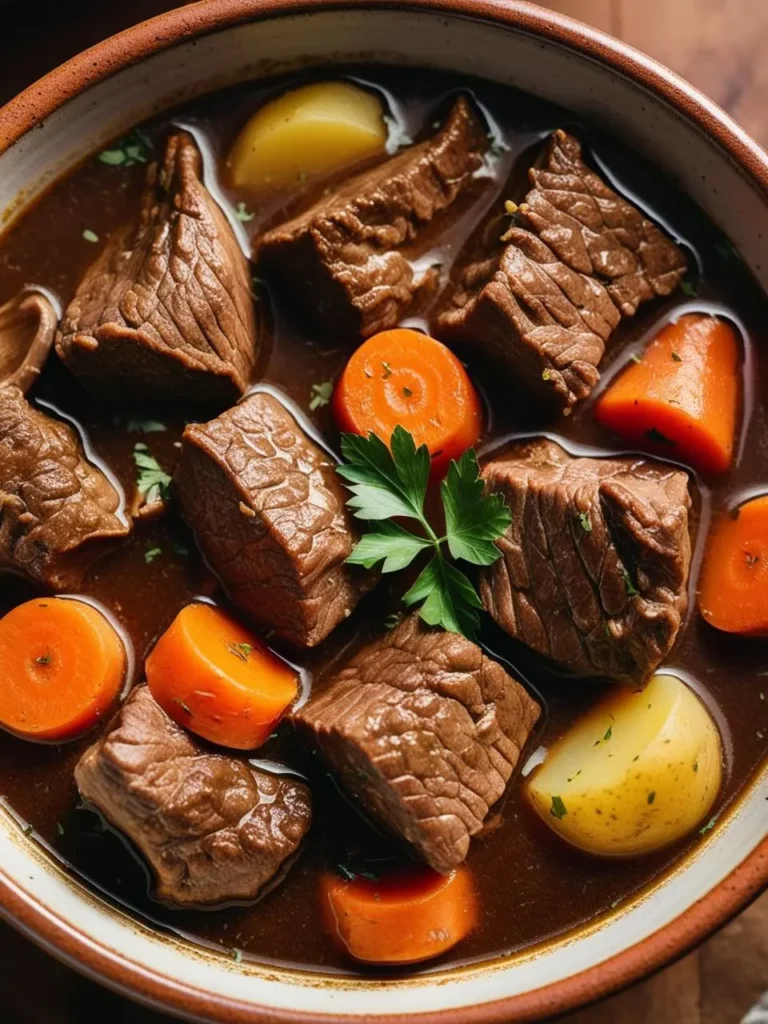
<point>312,130</point>
<point>637,772</point>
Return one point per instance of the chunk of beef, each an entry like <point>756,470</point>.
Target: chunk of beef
<point>595,563</point>
<point>343,259</point>
<point>528,310</point>
<point>212,827</point>
<point>425,732</point>
<point>165,313</point>
<point>58,512</point>
<point>268,512</point>
<point>595,231</point>
<point>27,326</point>
<point>546,305</point>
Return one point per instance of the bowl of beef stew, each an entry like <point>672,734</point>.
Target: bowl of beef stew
<point>382,533</point>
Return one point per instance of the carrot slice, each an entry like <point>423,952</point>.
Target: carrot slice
<point>407,378</point>
<point>733,587</point>
<point>408,916</point>
<point>681,398</point>
<point>63,665</point>
<point>217,679</point>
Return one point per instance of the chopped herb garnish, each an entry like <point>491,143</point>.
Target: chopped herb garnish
<point>585,522</point>
<point>391,482</point>
<point>695,766</point>
<point>709,826</point>
<point>609,733</point>
<point>557,810</point>
<point>651,796</point>
<point>632,590</point>
<point>90,236</point>
<point>28,830</point>
<point>241,651</point>
<point>574,776</point>
<point>59,828</point>
<point>688,288</point>
<point>393,620</point>
<point>320,395</point>
<point>547,375</point>
<point>136,425</point>
<point>656,435</point>
<point>677,358</point>
<point>182,705</point>
<point>387,370</point>
<point>636,359</point>
<point>151,554</point>
<point>243,214</point>
<point>153,483</point>
<point>135,148</point>
<point>44,659</point>
<point>237,956</point>
<point>346,872</point>
<point>407,392</point>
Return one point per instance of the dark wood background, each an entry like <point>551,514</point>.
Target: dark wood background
<point>720,46</point>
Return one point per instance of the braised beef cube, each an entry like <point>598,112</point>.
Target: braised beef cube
<point>597,232</point>
<point>594,566</point>
<point>424,731</point>
<point>527,311</point>
<point>165,313</point>
<point>58,512</point>
<point>545,305</point>
<point>345,259</point>
<point>212,827</point>
<point>268,512</point>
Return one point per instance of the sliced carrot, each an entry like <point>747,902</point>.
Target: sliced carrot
<point>733,587</point>
<point>62,666</point>
<point>407,378</point>
<point>217,679</point>
<point>681,399</point>
<point>410,915</point>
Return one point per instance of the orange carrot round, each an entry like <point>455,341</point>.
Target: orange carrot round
<point>408,916</point>
<point>407,378</point>
<point>733,587</point>
<point>62,666</point>
<point>217,679</point>
<point>681,399</point>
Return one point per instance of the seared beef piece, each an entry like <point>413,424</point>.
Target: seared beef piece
<point>57,510</point>
<point>595,564</point>
<point>213,828</point>
<point>165,313</point>
<point>342,258</point>
<point>27,326</point>
<point>268,513</point>
<point>424,731</point>
<point>528,310</point>
<point>595,231</point>
<point>546,305</point>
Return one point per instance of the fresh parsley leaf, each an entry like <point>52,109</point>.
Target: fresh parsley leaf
<point>558,809</point>
<point>135,148</point>
<point>153,483</point>
<point>585,522</point>
<point>90,236</point>
<point>243,214</point>
<point>241,651</point>
<point>632,590</point>
<point>320,395</point>
<point>136,425</point>
<point>688,288</point>
<point>384,483</point>
<point>449,598</point>
<point>151,554</point>
<point>474,521</point>
<point>390,542</point>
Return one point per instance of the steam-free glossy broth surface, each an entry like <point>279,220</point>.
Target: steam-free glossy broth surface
<point>531,885</point>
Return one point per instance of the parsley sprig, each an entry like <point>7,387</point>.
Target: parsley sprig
<point>388,483</point>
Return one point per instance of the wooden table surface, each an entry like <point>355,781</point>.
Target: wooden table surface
<point>718,45</point>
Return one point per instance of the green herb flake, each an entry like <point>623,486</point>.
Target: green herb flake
<point>28,830</point>
<point>151,554</point>
<point>241,651</point>
<point>585,522</point>
<point>547,375</point>
<point>558,809</point>
<point>137,425</point>
<point>243,214</point>
<point>387,370</point>
<point>135,148</point>
<point>346,872</point>
<point>709,826</point>
<point>677,358</point>
<point>651,796</point>
<point>59,828</point>
<point>393,620</point>
<point>152,482</point>
<point>688,288</point>
<point>320,395</point>
<point>656,436</point>
<point>609,733</point>
<point>90,236</point>
<point>632,590</point>
<point>184,707</point>
<point>237,956</point>
<point>636,359</point>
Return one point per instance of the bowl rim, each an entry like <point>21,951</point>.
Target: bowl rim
<point>83,952</point>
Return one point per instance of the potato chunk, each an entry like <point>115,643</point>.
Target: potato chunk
<point>637,772</point>
<point>309,131</point>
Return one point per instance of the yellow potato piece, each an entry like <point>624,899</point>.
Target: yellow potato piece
<point>637,772</point>
<point>310,131</point>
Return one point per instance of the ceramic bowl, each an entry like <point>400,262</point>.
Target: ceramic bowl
<point>94,97</point>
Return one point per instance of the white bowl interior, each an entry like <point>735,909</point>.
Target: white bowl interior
<point>509,57</point>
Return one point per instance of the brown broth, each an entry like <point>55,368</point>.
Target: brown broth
<point>532,886</point>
